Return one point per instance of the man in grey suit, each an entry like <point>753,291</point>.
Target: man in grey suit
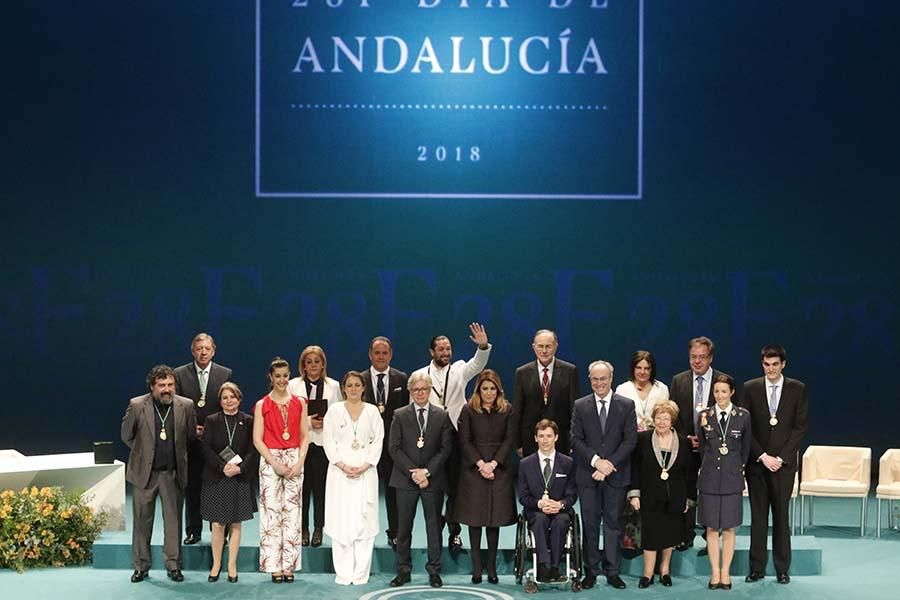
<point>545,388</point>
<point>386,389</point>
<point>691,390</point>
<point>158,427</point>
<point>420,442</point>
<point>604,433</point>
<point>199,380</point>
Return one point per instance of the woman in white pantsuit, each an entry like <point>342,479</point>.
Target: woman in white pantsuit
<point>353,435</point>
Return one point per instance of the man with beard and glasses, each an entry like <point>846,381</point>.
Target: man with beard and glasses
<point>158,427</point>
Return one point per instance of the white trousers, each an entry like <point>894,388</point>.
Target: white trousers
<point>352,563</point>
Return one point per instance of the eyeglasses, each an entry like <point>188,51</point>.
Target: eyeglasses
<point>599,379</point>
<point>419,390</point>
<point>543,347</point>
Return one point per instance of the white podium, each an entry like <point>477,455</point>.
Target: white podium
<point>103,486</point>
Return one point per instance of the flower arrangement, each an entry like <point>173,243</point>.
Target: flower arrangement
<point>46,527</point>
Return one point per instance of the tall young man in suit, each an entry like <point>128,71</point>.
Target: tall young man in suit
<point>778,408</point>
<point>545,388</point>
<point>604,433</point>
<point>547,492</point>
<point>199,380</point>
<point>691,390</point>
<point>386,389</point>
<point>448,390</point>
<point>420,442</point>
<point>157,427</point>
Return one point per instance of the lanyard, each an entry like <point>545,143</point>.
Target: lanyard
<point>441,396</point>
<point>228,428</point>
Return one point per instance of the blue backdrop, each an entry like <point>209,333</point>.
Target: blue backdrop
<point>134,189</point>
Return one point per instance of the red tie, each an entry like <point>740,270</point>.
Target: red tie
<point>545,385</point>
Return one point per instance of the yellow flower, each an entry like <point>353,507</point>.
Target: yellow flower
<point>6,494</point>
<point>66,513</point>
<point>34,491</point>
<point>46,492</point>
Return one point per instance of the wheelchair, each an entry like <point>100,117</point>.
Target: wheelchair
<point>526,570</point>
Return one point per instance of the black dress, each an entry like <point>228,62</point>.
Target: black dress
<point>228,499</point>
<point>487,436</point>
<point>662,501</point>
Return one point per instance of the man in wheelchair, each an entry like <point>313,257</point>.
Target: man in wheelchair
<point>547,492</point>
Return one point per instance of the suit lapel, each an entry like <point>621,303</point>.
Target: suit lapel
<point>148,417</point>
<point>369,393</point>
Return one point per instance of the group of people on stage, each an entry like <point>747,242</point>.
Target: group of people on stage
<point>313,440</point>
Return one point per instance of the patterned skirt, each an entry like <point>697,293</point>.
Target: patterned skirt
<point>228,500</point>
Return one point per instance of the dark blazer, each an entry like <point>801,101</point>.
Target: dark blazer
<point>616,445</point>
<point>681,392</point>
<point>528,399</point>
<point>531,482</point>
<point>187,385</point>
<point>784,439</point>
<point>215,439</point>
<point>395,397</point>
<point>724,474</point>
<point>139,434</point>
<point>407,455</point>
<point>657,495</point>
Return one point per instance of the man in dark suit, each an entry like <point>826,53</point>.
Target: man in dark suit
<point>604,433</point>
<point>544,389</point>
<point>778,409</point>
<point>158,427</point>
<point>420,442</point>
<point>199,380</point>
<point>691,390</point>
<point>547,491</point>
<point>386,389</point>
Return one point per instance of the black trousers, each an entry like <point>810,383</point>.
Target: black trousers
<point>549,536</point>
<point>601,502</point>
<point>385,468</point>
<point>452,467</point>
<point>193,521</point>
<point>407,501</point>
<point>770,491</point>
<point>315,469</point>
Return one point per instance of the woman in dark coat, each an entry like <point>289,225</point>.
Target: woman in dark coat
<point>485,497</point>
<point>663,485</point>
<point>228,497</point>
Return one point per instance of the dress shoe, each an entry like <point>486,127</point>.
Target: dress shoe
<point>552,573</point>
<point>615,581</point>
<point>784,578</point>
<point>391,540</point>
<point>588,582</point>
<point>191,539</point>
<point>454,544</point>
<point>316,537</point>
<point>666,580</point>
<point>476,579</point>
<point>138,576</point>
<point>493,579</point>
<point>400,579</point>
<point>232,579</point>
<point>543,572</point>
<point>435,581</point>
<point>645,582</point>
<point>175,575</point>
<point>754,576</point>
<point>213,578</point>
<point>304,538</point>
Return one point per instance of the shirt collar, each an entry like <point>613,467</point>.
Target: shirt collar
<point>199,370</point>
<point>607,398</point>
<point>726,409</point>
<point>375,373</point>
<point>779,382</point>
<point>551,456</point>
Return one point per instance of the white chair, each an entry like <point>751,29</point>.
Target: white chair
<point>836,472</point>
<point>888,485</point>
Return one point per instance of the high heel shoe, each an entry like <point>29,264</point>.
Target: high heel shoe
<point>476,579</point>
<point>666,580</point>
<point>232,579</point>
<point>289,578</point>
<point>714,586</point>
<point>645,582</point>
<point>493,579</point>
<point>213,578</point>
<point>724,586</point>
<point>277,578</point>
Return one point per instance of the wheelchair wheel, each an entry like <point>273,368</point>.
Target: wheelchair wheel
<point>576,548</point>
<point>576,585</point>
<point>531,587</point>
<point>521,532</point>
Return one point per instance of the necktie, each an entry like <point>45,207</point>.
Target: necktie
<point>203,383</point>
<point>698,401</point>
<point>723,421</point>
<point>773,401</point>
<point>545,383</point>
<point>380,388</point>
<point>548,471</point>
<point>603,415</point>
<point>422,419</point>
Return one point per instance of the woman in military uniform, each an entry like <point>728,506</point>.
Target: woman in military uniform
<point>724,448</point>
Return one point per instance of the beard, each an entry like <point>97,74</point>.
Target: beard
<point>166,398</point>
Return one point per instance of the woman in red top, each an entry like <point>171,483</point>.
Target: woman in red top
<point>281,437</point>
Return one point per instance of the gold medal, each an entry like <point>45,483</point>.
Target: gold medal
<point>355,445</point>
<point>420,443</point>
<point>664,475</point>
<point>201,403</point>
<point>546,495</point>
<point>773,421</point>
<point>162,434</point>
<point>381,408</point>
<point>286,435</point>
<point>723,450</point>
<point>546,399</point>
